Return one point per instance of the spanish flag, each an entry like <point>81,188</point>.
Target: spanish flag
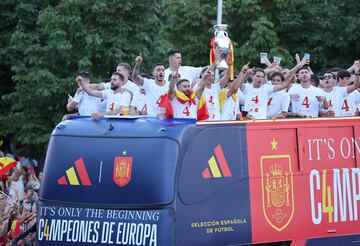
<point>15,228</point>
<point>212,56</point>
<point>6,163</point>
<point>223,96</point>
<point>202,111</point>
<point>166,104</point>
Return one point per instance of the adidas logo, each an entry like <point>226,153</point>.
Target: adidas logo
<point>219,168</point>
<point>74,174</point>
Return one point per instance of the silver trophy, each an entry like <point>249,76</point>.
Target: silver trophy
<point>223,43</point>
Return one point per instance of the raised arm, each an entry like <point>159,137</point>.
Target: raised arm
<point>88,89</point>
<point>274,67</point>
<point>350,69</point>
<point>299,64</point>
<point>206,76</point>
<point>71,105</point>
<point>355,85</point>
<point>137,79</point>
<point>225,79</point>
<point>324,101</point>
<point>284,85</point>
<point>238,82</point>
<point>174,77</point>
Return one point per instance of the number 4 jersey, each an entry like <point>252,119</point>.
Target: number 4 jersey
<point>307,104</point>
<point>256,100</point>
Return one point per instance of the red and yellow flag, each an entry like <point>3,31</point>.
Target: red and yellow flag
<point>166,104</point>
<point>15,228</point>
<point>184,98</point>
<point>6,163</point>
<point>202,111</point>
<point>212,55</point>
<point>223,96</point>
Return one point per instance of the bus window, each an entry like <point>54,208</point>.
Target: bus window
<point>104,170</point>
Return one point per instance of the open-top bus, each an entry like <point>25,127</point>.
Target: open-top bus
<point>148,181</point>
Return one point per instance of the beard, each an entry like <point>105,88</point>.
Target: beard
<point>304,79</point>
<point>114,87</point>
<point>159,78</point>
<point>187,93</point>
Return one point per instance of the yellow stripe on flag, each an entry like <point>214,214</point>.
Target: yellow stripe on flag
<point>201,102</point>
<point>214,168</point>
<point>222,97</point>
<point>72,176</point>
<point>4,161</point>
<point>181,95</point>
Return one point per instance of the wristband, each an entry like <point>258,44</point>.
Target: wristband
<point>357,74</point>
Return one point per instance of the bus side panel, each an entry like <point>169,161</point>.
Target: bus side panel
<point>65,225</point>
<point>272,165</point>
<point>315,196</point>
<point>213,193</point>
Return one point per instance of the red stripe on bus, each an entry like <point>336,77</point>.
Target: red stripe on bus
<point>62,181</point>
<point>222,161</point>
<point>206,173</point>
<point>84,177</point>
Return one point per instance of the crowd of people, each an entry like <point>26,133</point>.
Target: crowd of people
<point>211,93</point>
<point>18,201</point>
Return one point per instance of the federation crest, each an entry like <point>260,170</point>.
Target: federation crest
<point>277,190</point>
<point>122,170</point>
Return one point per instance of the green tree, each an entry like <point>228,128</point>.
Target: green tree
<point>64,38</point>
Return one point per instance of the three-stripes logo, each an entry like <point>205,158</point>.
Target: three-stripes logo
<point>214,171</point>
<point>72,177</point>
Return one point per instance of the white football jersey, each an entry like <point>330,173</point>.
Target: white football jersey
<point>256,100</point>
<point>87,104</point>
<point>278,102</point>
<point>230,109</point>
<point>212,101</point>
<point>153,94</point>
<point>116,100</point>
<point>349,103</point>
<point>307,104</point>
<point>335,99</point>
<point>185,110</point>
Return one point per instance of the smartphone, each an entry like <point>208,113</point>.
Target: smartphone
<point>263,57</point>
<point>307,56</point>
<point>277,59</point>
